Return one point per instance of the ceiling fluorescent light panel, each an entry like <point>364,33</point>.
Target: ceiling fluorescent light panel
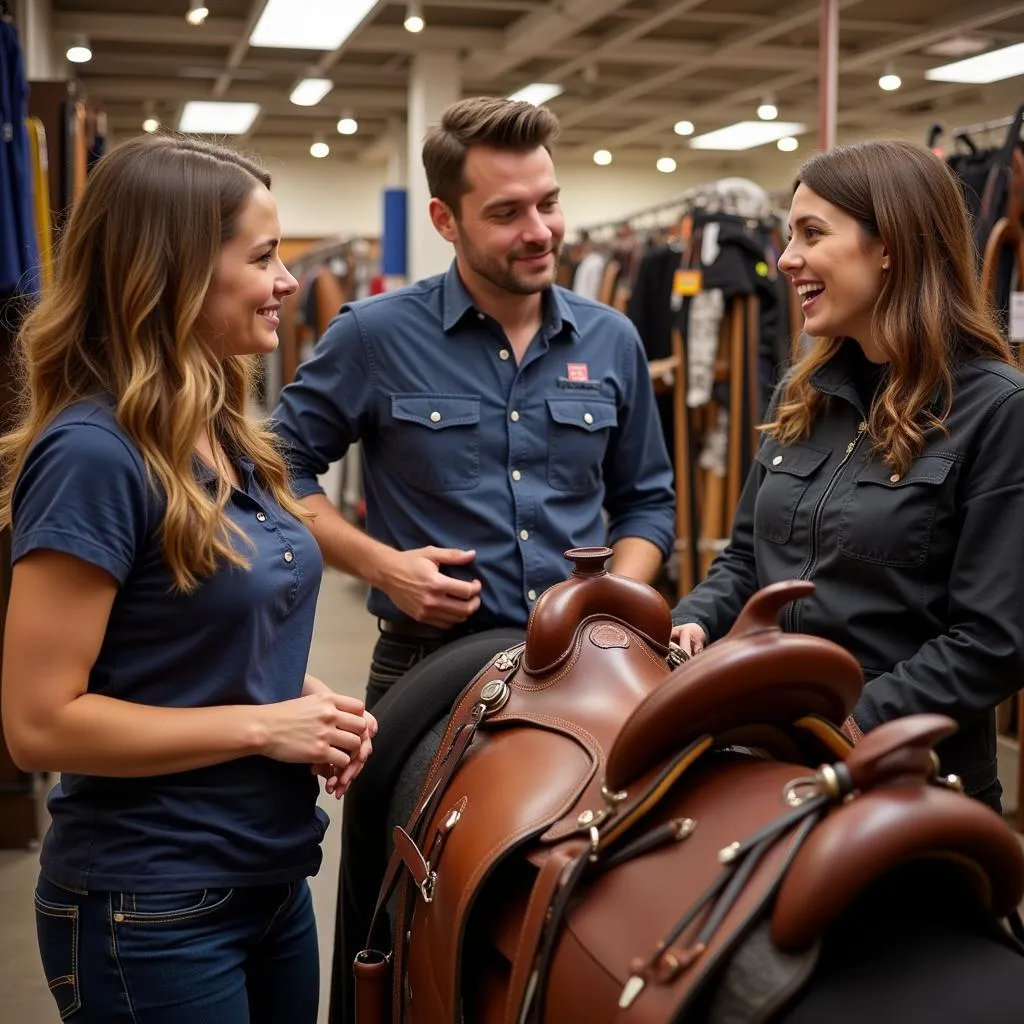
<point>537,93</point>
<point>309,24</point>
<point>984,69</point>
<point>310,91</point>
<point>747,135</point>
<point>205,118</point>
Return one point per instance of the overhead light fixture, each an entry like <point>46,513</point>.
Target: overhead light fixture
<point>319,149</point>
<point>767,111</point>
<point>311,25</point>
<point>79,52</point>
<point>310,91</point>
<point>414,17</point>
<point>958,46</point>
<point>205,117</point>
<point>993,66</point>
<point>683,128</point>
<point>666,164</point>
<point>890,81</point>
<point>747,135</point>
<point>788,144</point>
<point>150,124</point>
<point>197,13</point>
<point>348,125</point>
<point>602,157</point>
<point>537,93</point>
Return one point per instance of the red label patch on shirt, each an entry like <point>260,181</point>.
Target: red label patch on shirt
<point>576,371</point>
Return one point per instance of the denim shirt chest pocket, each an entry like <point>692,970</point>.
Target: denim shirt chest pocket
<point>888,517</point>
<point>439,440</point>
<point>579,432</point>
<point>790,469</point>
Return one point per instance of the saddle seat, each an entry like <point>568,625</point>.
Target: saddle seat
<point>602,825</point>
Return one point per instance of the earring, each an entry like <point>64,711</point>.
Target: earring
<point>885,265</point>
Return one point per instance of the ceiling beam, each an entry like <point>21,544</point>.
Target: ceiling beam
<point>239,49</point>
<point>616,40</point>
<point>535,33</point>
<point>795,16</point>
<point>867,58</point>
<point>145,28</point>
<point>362,100</point>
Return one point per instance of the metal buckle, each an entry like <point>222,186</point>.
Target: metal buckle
<point>427,886</point>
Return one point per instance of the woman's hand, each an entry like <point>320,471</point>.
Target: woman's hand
<point>318,728</point>
<point>337,780</point>
<point>690,637</point>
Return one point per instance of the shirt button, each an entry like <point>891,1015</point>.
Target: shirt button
<point>479,316</point>
<point>504,354</point>
<point>516,475</point>
<point>514,416</point>
<point>895,478</point>
<point>435,417</point>
<point>524,534</point>
<point>532,595</point>
<point>587,418</point>
<point>776,460</point>
<point>288,556</point>
<point>261,517</point>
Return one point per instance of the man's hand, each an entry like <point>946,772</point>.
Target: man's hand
<point>414,581</point>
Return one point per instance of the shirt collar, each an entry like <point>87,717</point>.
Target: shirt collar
<point>458,302</point>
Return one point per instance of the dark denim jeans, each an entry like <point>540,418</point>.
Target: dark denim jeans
<point>392,657</point>
<point>214,956</point>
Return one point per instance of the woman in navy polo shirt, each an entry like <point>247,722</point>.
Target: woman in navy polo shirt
<point>161,609</point>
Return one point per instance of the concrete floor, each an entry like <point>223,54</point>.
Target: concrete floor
<point>343,638</point>
<point>342,641</point>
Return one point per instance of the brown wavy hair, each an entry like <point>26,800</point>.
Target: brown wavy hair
<point>131,273</point>
<point>930,314</point>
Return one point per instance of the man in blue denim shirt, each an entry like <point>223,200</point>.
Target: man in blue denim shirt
<point>499,414</point>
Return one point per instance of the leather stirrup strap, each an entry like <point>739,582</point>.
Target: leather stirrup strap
<point>521,989</point>
<point>452,760</point>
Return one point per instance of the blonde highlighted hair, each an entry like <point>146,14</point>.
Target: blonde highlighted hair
<point>133,267</point>
<point>930,313</point>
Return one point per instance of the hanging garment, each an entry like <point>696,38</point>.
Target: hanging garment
<point>19,254</point>
<point>589,276</point>
<point>41,192</point>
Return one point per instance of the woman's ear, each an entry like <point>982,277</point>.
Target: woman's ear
<point>886,258</point>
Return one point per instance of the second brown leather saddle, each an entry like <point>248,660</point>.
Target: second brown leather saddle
<point>605,823</point>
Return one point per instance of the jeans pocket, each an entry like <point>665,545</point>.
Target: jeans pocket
<point>57,929</point>
<point>169,907</point>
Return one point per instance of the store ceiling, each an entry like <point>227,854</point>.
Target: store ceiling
<point>630,68</point>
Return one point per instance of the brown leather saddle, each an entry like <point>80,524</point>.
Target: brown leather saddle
<point>605,823</point>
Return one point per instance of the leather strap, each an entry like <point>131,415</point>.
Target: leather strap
<point>550,879</point>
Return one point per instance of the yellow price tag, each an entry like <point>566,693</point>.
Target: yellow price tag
<point>688,282</point>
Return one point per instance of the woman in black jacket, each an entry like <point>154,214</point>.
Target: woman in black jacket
<point>891,472</point>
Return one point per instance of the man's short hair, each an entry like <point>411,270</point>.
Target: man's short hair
<point>489,121</point>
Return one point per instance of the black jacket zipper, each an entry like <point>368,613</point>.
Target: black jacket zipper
<point>791,620</point>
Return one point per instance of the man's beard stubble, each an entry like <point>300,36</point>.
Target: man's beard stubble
<point>501,273</point>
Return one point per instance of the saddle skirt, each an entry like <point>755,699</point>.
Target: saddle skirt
<point>605,822</point>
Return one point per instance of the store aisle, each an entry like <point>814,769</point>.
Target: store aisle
<point>342,640</point>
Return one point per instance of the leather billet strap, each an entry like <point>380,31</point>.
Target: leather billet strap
<point>459,735</point>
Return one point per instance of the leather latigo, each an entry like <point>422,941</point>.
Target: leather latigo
<point>616,826</point>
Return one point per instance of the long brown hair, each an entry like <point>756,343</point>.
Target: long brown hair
<point>513,125</point>
<point>930,313</point>
<point>131,273</point>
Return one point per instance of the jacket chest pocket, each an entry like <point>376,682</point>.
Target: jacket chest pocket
<point>889,518</point>
<point>789,471</point>
<point>578,440</point>
<point>438,439</point>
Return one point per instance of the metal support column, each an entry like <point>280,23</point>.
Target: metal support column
<point>828,74</point>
